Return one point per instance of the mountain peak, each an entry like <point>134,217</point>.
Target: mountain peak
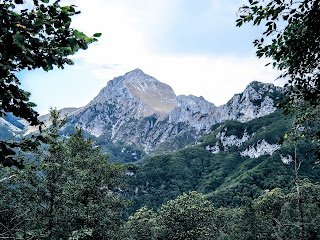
<point>260,86</point>
<point>158,96</point>
<point>135,71</point>
<point>137,75</point>
<point>134,74</point>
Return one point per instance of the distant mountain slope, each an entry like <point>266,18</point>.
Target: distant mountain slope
<point>11,126</point>
<point>139,111</point>
<point>234,160</point>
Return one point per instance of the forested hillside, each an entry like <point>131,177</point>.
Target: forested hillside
<point>71,191</point>
<point>234,161</point>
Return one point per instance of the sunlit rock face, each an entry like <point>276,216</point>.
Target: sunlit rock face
<point>137,108</point>
<point>257,100</point>
<point>261,148</point>
<point>232,140</point>
<point>157,96</point>
<point>145,92</point>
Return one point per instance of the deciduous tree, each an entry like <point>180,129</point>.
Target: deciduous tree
<point>189,216</point>
<point>69,194</point>
<point>33,35</point>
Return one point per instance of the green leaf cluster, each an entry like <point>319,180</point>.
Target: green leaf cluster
<point>189,216</point>
<point>36,37</point>
<point>69,191</point>
<point>273,215</point>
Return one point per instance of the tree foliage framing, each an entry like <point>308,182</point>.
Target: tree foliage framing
<point>294,49</point>
<point>39,36</point>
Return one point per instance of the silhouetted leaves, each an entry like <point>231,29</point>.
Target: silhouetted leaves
<point>37,37</point>
<point>294,48</point>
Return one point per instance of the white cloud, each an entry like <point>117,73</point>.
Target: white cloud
<point>129,28</point>
<point>141,34</point>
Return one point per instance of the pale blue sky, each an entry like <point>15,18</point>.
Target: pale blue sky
<point>207,27</point>
<point>193,46</point>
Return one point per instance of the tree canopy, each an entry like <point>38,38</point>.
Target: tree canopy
<point>189,216</point>
<point>69,192</point>
<point>33,35</point>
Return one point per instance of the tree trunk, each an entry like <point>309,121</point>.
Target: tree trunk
<point>297,181</point>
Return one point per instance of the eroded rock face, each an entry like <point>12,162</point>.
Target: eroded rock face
<point>195,111</point>
<point>255,150</point>
<point>137,108</point>
<point>232,140</point>
<point>213,149</point>
<point>257,100</point>
<point>262,148</point>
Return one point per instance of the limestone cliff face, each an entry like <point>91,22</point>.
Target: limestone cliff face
<point>257,100</point>
<point>137,108</point>
<point>195,111</point>
<point>128,109</point>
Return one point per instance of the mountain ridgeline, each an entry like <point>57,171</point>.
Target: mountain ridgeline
<point>136,115</point>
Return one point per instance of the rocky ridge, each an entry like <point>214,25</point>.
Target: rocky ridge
<point>138,109</point>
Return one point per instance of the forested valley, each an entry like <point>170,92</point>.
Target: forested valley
<point>69,190</point>
<point>256,179</point>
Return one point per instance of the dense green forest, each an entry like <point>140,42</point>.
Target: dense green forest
<point>72,191</point>
<point>226,177</point>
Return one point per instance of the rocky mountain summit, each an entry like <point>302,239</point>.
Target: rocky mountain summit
<point>137,87</point>
<point>138,109</point>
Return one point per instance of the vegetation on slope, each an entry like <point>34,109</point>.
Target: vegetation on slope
<point>225,177</point>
